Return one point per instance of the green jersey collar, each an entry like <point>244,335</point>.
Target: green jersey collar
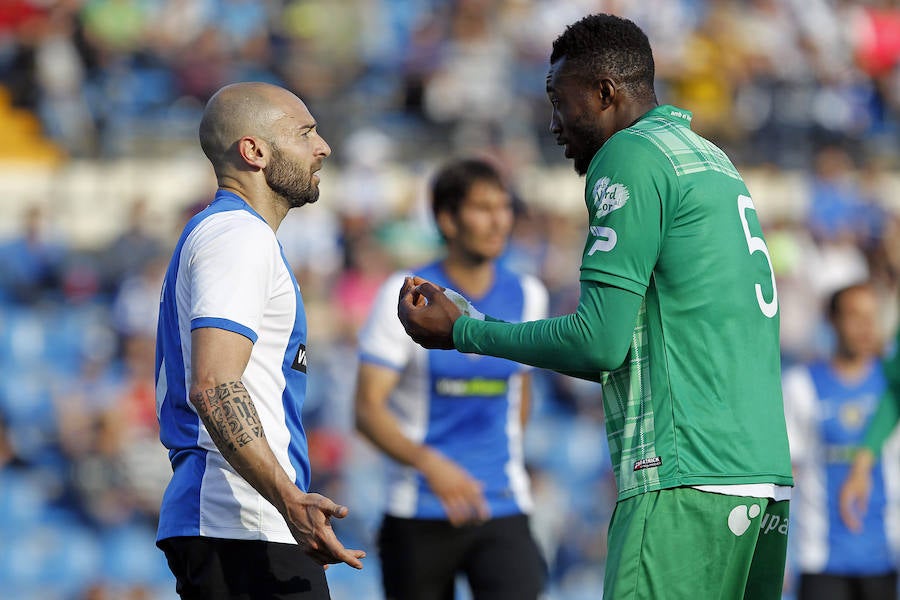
<point>667,111</point>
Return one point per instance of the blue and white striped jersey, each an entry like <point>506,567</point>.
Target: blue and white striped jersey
<point>464,405</point>
<point>229,272</point>
<point>827,419</point>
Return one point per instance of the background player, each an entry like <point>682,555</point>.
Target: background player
<point>458,493</point>
<point>828,405</point>
<point>237,520</point>
<point>678,316</point>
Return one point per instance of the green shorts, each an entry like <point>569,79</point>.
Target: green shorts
<point>684,543</point>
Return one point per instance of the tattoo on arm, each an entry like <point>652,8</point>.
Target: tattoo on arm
<point>229,415</point>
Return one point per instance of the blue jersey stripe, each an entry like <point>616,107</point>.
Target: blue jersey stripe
<point>295,391</point>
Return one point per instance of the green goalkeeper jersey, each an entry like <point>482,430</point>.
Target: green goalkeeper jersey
<point>698,399</point>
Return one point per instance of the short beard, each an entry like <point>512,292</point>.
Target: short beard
<point>288,182</point>
<point>590,139</point>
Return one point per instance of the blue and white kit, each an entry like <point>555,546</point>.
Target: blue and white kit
<point>826,420</point>
<point>229,272</point>
<point>465,406</point>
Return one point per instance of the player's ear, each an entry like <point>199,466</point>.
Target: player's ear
<point>253,151</point>
<point>606,91</point>
<point>446,224</point>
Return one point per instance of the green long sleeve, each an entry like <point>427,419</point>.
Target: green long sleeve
<point>593,339</point>
<point>883,422</point>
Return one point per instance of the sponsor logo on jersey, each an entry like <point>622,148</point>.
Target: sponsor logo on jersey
<point>837,454</point>
<point>774,523</point>
<point>739,518</point>
<point>607,239</point>
<point>608,198</point>
<point>647,463</point>
<point>300,360</point>
<point>461,388</point>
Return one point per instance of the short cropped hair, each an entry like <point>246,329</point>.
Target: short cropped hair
<point>452,183</point>
<point>834,301</point>
<point>607,44</point>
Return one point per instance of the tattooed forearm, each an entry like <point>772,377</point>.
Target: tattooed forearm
<point>229,415</point>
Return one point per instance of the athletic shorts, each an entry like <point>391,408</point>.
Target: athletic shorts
<point>221,569</point>
<point>684,543</point>
<point>823,586</point>
<point>420,559</point>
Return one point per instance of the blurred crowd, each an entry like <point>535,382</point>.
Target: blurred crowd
<point>802,89</point>
<point>769,79</point>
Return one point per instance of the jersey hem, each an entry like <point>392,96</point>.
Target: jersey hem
<point>705,480</point>
<point>225,533</point>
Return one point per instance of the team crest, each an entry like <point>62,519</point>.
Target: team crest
<point>851,417</point>
<point>608,198</point>
<point>599,189</point>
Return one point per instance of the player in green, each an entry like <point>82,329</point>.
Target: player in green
<point>678,317</point>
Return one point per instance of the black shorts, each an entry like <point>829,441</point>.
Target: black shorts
<point>421,558</point>
<point>820,586</point>
<point>220,569</point>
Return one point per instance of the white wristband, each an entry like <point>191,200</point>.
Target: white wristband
<point>463,305</point>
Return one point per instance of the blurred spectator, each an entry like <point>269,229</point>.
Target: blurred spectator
<point>838,210</point>
<point>131,249</point>
<point>9,458</point>
<point>31,264</point>
<point>135,306</point>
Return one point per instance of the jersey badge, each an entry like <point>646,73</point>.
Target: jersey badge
<point>609,197</point>
<point>851,416</point>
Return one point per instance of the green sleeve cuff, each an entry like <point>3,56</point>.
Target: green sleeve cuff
<point>883,422</point>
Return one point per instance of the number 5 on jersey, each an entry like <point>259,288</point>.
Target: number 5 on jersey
<point>757,244</point>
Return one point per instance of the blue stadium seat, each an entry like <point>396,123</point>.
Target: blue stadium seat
<point>130,556</point>
<point>21,502</point>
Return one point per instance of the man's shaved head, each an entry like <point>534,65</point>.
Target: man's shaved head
<point>238,110</point>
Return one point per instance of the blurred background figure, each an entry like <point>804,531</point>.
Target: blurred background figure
<point>458,495</point>
<point>829,404</point>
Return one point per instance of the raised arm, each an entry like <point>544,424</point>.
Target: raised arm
<point>218,360</point>
<point>593,339</point>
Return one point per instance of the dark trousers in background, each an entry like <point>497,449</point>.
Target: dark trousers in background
<point>819,586</point>
<point>420,559</point>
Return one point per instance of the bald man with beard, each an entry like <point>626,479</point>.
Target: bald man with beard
<point>237,519</point>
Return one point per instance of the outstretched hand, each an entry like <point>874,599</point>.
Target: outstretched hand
<point>310,522</point>
<point>427,314</point>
